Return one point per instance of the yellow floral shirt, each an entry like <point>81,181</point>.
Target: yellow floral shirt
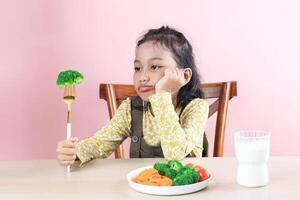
<point>177,138</point>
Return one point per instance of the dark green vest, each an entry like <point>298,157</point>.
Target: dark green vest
<point>138,147</point>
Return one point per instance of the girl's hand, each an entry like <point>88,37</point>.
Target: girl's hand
<point>171,82</point>
<point>66,153</point>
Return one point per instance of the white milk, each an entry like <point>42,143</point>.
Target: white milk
<point>252,152</point>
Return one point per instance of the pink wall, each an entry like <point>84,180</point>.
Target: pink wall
<point>255,42</point>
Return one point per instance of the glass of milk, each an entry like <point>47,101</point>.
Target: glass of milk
<point>252,149</point>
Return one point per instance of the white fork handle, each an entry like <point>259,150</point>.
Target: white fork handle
<point>69,134</point>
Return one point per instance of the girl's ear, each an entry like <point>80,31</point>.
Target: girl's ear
<point>187,72</point>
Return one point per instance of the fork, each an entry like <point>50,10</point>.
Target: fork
<point>69,97</point>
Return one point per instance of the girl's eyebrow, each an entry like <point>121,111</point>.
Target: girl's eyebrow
<point>154,58</point>
<point>136,61</point>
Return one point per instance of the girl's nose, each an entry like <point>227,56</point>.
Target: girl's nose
<point>144,78</point>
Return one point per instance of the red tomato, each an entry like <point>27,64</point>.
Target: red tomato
<point>203,174</point>
<point>189,165</point>
<point>198,168</point>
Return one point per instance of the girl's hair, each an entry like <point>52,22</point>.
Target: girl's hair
<point>183,55</point>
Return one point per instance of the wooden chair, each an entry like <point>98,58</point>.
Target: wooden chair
<point>113,94</point>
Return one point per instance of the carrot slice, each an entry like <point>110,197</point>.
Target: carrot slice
<point>152,177</point>
<point>145,174</point>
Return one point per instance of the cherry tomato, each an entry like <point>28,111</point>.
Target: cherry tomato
<point>198,168</point>
<point>189,165</point>
<point>203,174</point>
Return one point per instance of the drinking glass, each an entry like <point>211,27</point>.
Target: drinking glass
<point>252,149</point>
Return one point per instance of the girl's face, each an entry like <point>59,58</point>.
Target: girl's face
<point>151,59</point>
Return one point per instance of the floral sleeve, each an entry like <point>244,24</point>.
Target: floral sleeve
<point>179,139</point>
<point>105,141</point>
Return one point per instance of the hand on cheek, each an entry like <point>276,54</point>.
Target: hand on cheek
<point>172,81</point>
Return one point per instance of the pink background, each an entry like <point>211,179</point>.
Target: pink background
<point>254,42</point>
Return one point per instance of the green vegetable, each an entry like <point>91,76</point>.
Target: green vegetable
<point>165,170</point>
<point>190,172</point>
<point>68,78</point>
<point>183,179</point>
<point>170,173</point>
<point>180,174</point>
<point>176,165</point>
<point>160,166</point>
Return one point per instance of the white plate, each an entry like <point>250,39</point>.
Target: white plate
<point>164,190</point>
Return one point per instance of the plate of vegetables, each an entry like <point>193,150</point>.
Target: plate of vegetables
<point>171,178</point>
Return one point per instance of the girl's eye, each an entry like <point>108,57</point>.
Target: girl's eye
<point>154,67</point>
<point>137,69</point>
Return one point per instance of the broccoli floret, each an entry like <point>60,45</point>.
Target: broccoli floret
<point>176,165</point>
<point>183,179</point>
<point>190,172</point>
<point>180,175</point>
<point>160,166</point>
<point>170,173</point>
<point>164,170</point>
<point>68,78</point>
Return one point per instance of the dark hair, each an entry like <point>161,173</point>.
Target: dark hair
<point>183,55</point>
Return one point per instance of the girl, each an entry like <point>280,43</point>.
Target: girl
<point>168,117</point>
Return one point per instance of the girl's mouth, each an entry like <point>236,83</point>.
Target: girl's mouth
<point>144,89</point>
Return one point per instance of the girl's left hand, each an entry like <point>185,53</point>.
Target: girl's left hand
<point>172,81</point>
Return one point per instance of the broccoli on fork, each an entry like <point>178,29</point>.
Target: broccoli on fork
<point>68,78</point>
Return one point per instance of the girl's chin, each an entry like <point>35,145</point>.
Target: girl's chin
<point>145,97</point>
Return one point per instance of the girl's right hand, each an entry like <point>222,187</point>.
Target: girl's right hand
<point>66,153</point>
<point>172,81</point>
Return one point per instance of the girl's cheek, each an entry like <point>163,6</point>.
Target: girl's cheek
<point>159,73</point>
<point>135,78</point>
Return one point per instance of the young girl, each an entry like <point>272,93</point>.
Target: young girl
<point>168,117</point>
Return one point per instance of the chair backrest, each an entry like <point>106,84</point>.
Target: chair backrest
<point>114,94</point>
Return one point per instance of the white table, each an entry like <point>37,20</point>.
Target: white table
<point>106,179</point>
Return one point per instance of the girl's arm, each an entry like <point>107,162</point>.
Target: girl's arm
<point>105,141</point>
<point>178,140</point>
